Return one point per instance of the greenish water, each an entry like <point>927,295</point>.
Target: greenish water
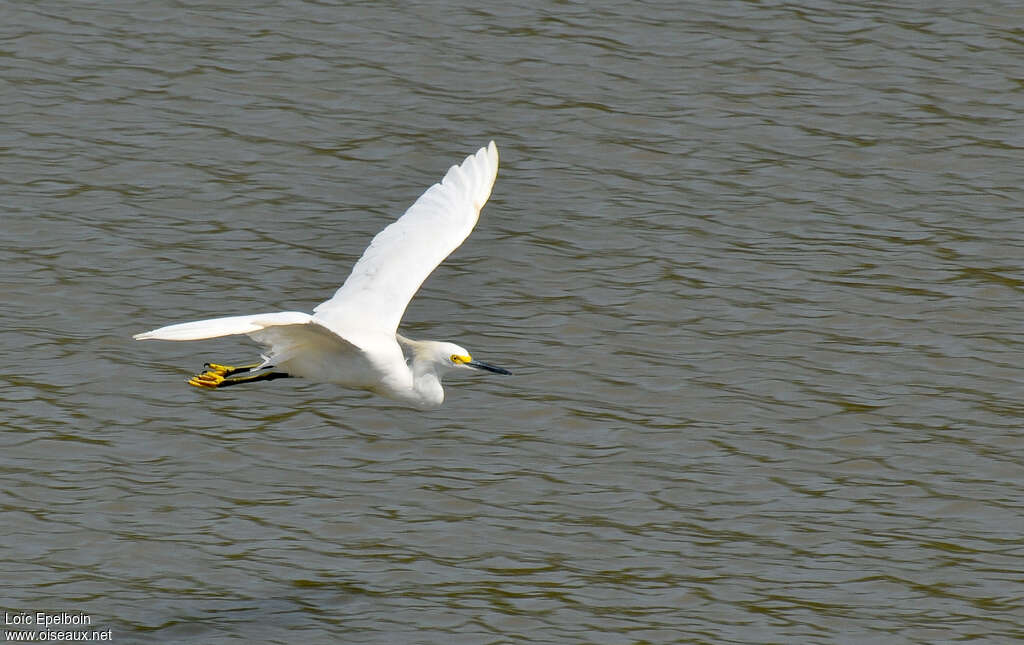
<point>756,268</point>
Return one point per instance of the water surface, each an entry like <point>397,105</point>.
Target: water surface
<point>756,267</point>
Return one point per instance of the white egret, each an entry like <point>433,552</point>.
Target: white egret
<point>352,339</point>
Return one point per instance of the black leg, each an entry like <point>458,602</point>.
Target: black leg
<point>216,376</point>
<point>264,376</point>
<point>229,370</point>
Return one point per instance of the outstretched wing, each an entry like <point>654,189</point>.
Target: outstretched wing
<point>288,336</point>
<point>217,327</point>
<point>309,350</point>
<point>399,259</point>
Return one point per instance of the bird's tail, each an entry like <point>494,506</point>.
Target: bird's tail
<point>216,327</point>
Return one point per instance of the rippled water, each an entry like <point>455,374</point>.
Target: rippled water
<point>756,267</point>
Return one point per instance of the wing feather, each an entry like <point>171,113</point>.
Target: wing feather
<point>217,327</point>
<point>306,344</point>
<point>288,337</point>
<point>398,260</point>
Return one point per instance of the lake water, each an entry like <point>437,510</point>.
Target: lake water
<point>756,267</point>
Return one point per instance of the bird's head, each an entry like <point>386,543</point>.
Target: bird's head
<point>449,356</point>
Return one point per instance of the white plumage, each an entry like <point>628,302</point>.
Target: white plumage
<point>352,338</point>
<point>216,327</point>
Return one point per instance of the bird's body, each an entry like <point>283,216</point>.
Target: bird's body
<point>352,339</point>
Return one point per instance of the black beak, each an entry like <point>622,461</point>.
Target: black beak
<point>490,368</point>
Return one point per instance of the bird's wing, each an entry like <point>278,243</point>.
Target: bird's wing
<point>285,335</point>
<point>400,257</point>
<point>217,327</point>
<point>308,344</point>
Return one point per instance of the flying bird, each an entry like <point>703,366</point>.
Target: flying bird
<point>352,339</point>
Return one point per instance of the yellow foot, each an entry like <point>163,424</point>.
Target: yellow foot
<point>220,370</point>
<point>229,370</point>
<point>211,379</point>
<point>216,375</point>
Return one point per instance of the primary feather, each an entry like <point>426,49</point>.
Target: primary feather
<point>401,256</point>
<point>216,327</point>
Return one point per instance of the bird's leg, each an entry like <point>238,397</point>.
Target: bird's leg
<point>217,375</point>
<point>229,370</point>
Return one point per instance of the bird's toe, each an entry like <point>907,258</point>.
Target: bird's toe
<point>211,379</point>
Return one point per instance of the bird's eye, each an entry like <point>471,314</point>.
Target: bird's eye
<point>456,359</point>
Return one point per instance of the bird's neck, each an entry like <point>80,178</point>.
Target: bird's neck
<point>426,382</point>
<point>428,387</point>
